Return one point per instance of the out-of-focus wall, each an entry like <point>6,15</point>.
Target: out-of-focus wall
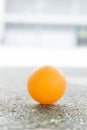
<point>40,37</point>
<point>40,6</point>
<point>24,24</point>
<point>39,34</point>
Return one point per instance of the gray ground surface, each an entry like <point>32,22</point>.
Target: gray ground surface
<point>19,112</point>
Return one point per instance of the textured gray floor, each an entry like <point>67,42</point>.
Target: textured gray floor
<point>19,112</point>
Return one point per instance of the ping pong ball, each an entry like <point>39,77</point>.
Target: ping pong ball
<point>46,85</point>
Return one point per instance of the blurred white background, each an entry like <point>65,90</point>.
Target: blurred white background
<point>38,32</point>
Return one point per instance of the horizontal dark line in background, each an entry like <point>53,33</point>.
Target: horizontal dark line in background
<point>36,26</point>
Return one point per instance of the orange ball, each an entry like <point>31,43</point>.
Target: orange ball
<point>46,85</point>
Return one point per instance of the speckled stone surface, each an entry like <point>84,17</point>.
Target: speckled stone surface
<point>18,111</point>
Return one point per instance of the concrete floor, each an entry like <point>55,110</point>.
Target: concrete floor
<point>19,112</point>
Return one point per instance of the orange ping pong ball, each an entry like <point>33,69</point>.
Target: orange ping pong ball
<point>46,85</point>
